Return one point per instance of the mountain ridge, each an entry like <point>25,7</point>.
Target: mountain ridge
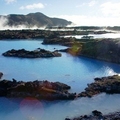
<point>35,19</point>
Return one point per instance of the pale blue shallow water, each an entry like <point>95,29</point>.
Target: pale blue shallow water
<point>106,35</point>
<point>75,71</point>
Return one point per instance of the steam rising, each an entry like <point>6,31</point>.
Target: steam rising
<point>3,22</point>
<point>4,25</point>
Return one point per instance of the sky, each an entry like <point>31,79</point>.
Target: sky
<point>80,12</point>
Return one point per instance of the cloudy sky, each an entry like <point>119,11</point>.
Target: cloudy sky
<point>81,12</point>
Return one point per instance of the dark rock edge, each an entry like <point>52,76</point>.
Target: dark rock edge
<point>97,115</point>
<point>44,90</point>
<point>38,53</point>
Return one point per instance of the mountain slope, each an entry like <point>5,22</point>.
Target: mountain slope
<point>36,19</point>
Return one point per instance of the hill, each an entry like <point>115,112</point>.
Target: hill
<point>35,19</point>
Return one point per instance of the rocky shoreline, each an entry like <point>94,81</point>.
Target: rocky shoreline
<point>37,34</point>
<point>108,85</point>
<point>57,90</point>
<point>105,49</point>
<point>46,33</point>
<point>38,53</point>
<point>44,90</point>
<point>68,41</point>
<point>97,115</point>
<point>101,49</point>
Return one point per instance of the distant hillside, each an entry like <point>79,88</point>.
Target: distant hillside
<point>35,19</point>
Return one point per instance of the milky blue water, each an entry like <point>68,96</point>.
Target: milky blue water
<point>107,35</point>
<point>74,71</point>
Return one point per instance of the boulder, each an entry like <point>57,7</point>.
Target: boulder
<point>96,113</point>
<point>1,74</point>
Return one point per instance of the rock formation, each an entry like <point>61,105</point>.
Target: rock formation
<point>109,85</point>
<point>68,41</point>
<point>1,74</point>
<point>39,53</point>
<point>97,115</point>
<point>39,89</point>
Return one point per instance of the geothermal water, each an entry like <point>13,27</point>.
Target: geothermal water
<point>74,71</point>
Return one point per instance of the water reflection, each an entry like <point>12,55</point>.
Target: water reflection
<point>26,109</point>
<point>31,108</point>
<point>75,71</point>
<point>94,65</point>
<point>107,35</point>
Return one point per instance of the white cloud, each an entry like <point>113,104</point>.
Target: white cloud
<point>33,6</point>
<point>92,3</point>
<point>10,1</point>
<point>82,20</point>
<point>110,8</point>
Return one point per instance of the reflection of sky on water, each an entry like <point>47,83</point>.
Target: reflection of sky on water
<point>107,35</point>
<point>75,71</point>
<point>31,108</point>
<point>18,109</point>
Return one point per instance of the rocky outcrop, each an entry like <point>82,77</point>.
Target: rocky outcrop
<point>1,74</point>
<point>32,34</point>
<point>74,50</point>
<point>102,49</point>
<point>97,115</point>
<point>68,41</point>
<point>39,53</point>
<point>39,89</point>
<point>109,85</point>
<point>37,33</point>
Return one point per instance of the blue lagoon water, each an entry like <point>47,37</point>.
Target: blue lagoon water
<point>74,71</point>
<point>106,35</point>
